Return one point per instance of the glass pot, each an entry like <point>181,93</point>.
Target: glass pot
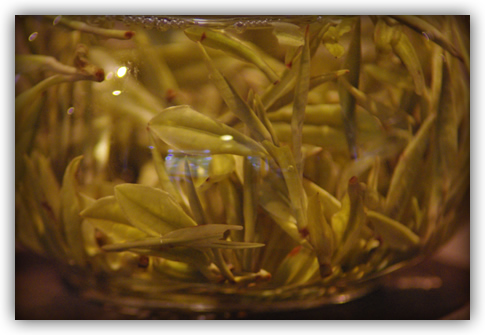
<point>238,163</point>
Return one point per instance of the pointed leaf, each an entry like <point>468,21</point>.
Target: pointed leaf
<point>332,36</point>
<point>106,215</point>
<point>288,34</point>
<point>236,104</point>
<point>32,63</point>
<point>347,101</point>
<point>393,233</point>
<point>221,41</point>
<point>430,31</point>
<point>300,102</point>
<point>349,221</point>
<point>70,209</point>
<point>187,130</point>
<point>151,210</point>
<point>320,234</point>
<point>407,169</point>
<point>279,210</point>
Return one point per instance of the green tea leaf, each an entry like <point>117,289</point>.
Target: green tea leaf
<point>396,77</point>
<point>106,215</point>
<point>328,115</point>
<point>393,233</point>
<point>329,138</point>
<point>205,236</point>
<point>330,204</point>
<point>163,177</point>
<point>288,34</point>
<point>389,38</point>
<point>151,210</point>
<point>32,63</point>
<point>197,258</point>
<point>251,177</point>
<point>296,194</point>
<point>347,101</point>
<point>332,37</point>
<point>320,234</point>
<point>208,231</point>
<point>300,102</point>
<point>349,221</point>
<point>69,212</point>
<point>221,41</point>
<point>235,103</point>
<point>192,196</point>
<point>297,267</point>
<point>232,207</point>
<point>279,209</point>
<point>84,27</point>
<point>431,32</point>
<point>407,169</point>
<point>282,96</point>
<point>187,130</point>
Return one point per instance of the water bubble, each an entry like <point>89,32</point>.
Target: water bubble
<point>240,26</point>
<point>162,24</point>
<point>149,23</point>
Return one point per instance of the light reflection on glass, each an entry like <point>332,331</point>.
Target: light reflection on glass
<point>121,71</point>
<point>226,137</point>
<point>116,93</point>
<point>57,19</point>
<point>33,36</point>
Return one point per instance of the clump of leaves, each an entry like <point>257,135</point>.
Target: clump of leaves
<point>313,154</point>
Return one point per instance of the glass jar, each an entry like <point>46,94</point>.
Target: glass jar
<point>214,164</point>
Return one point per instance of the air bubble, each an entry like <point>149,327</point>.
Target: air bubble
<point>162,25</point>
<point>240,26</point>
<point>149,23</point>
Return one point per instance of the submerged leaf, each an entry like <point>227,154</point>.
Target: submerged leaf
<point>221,41</point>
<point>279,210</point>
<point>300,102</point>
<point>347,100</point>
<point>84,27</point>
<point>106,215</point>
<point>288,34</point>
<point>236,104</point>
<point>205,236</point>
<point>393,233</point>
<point>190,131</point>
<point>320,234</point>
<point>431,32</point>
<point>389,38</point>
<point>332,36</point>
<point>70,209</point>
<point>32,63</point>
<point>407,169</point>
<point>297,267</point>
<point>349,221</point>
<point>151,210</point>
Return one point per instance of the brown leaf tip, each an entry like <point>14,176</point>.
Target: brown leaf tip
<point>304,232</point>
<point>143,262</point>
<point>99,75</point>
<point>129,34</point>
<point>295,251</point>
<point>353,181</point>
